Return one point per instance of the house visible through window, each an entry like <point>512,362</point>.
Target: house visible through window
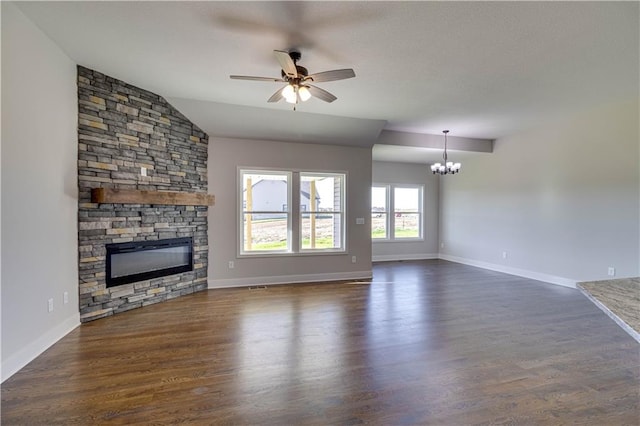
<point>322,216</point>
<point>266,218</point>
<point>269,226</point>
<point>396,212</point>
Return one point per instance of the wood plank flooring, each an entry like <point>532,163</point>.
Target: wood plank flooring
<point>425,343</point>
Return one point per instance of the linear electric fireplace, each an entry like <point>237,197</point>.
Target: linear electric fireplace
<point>143,260</point>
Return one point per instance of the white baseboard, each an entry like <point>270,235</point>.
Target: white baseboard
<point>289,279</point>
<point>24,356</point>
<point>397,257</point>
<point>551,279</point>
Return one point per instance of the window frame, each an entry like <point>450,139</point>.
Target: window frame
<point>386,212</point>
<point>294,222</point>
<point>420,212</point>
<point>343,223</point>
<point>242,171</point>
<point>391,213</point>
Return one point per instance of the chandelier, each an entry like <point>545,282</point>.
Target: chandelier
<point>448,167</point>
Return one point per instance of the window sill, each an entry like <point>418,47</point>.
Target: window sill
<point>292,254</point>
<point>398,240</point>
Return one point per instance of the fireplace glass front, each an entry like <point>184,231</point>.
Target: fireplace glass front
<point>143,260</point>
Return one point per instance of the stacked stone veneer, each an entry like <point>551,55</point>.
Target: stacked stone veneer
<point>122,128</point>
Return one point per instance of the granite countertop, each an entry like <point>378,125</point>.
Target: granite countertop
<point>620,299</point>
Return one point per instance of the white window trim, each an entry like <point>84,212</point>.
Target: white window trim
<point>387,189</point>
<point>391,238</point>
<point>240,211</point>
<point>342,212</point>
<point>294,233</point>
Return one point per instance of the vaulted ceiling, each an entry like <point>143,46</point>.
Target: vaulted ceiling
<point>481,69</point>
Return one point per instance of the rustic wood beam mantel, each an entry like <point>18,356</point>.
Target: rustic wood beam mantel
<point>134,196</point>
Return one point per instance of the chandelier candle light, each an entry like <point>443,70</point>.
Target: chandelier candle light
<point>448,167</point>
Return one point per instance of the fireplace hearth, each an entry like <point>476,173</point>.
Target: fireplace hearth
<point>143,260</point>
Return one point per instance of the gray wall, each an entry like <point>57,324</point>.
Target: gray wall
<point>414,174</point>
<point>225,155</point>
<point>562,200</point>
<point>39,191</point>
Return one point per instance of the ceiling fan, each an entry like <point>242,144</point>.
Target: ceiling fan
<point>298,79</point>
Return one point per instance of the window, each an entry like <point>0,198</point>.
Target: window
<point>380,212</point>
<point>407,212</point>
<point>269,226</point>
<point>322,211</point>
<point>266,218</point>
<point>396,212</point>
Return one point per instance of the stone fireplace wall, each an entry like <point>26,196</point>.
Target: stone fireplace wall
<point>122,129</point>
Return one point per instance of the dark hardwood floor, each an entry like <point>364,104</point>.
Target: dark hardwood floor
<point>427,342</point>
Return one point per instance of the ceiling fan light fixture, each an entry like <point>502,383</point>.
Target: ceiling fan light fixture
<point>304,93</point>
<point>295,76</point>
<point>289,93</point>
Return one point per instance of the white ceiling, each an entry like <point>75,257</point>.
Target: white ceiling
<point>480,69</point>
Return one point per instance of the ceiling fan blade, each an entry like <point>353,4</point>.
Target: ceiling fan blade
<point>331,75</point>
<point>321,94</point>
<point>286,63</point>
<point>276,96</point>
<point>248,77</point>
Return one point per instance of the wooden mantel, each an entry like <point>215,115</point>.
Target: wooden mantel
<point>134,196</point>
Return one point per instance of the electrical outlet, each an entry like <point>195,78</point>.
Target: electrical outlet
<point>611,271</point>
<point>65,297</point>
<point>354,259</point>
<point>50,305</point>
<point>441,245</point>
<point>504,254</point>
<point>143,171</point>
<point>231,264</point>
